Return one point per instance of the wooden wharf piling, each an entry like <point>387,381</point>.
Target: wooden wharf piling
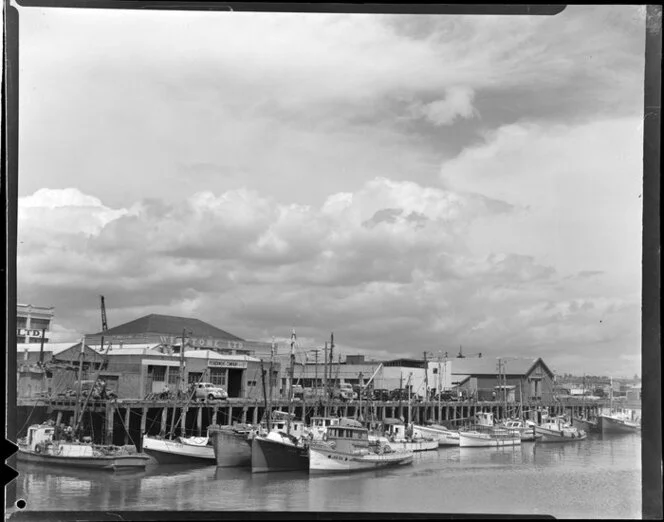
<point>124,420</point>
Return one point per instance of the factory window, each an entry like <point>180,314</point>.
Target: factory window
<point>194,377</point>
<point>173,376</point>
<point>39,324</point>
<point>251,383</point>
<point>21,322</point>
<point>218,376</point>
<point>158,373</point>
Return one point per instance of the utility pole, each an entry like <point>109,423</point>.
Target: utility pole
<point>440,385</point>
<point>182,363</point>
<point>41,348</point>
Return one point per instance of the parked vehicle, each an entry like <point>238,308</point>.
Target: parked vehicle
<point>446,396</point>
<point>399,394</point>
<point>207,390</point>
<point>344,392</point>
<point>381,395</point>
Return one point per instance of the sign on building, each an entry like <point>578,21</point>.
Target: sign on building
<point>30,333</point>
<point>227,364</point>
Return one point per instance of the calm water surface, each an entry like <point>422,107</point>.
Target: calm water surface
<point>596,478</point>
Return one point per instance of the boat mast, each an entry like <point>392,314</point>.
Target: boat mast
<point>290,384</point>
<point>80,383</point>
<point>267,409</point>
<point>325,388</point>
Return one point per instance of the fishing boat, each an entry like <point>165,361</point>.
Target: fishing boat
<point>586,424</point>
<point>42,446</point>
<point>558,429</point>
<point>182,450</point>
<point>402,437</point>
<point>346,447</point>
<point>485,434</point>
<point>50,444</point>
<point>443,435</point>
<point>526,429</point>
<point>285,446</point>
<point>231,445</point>
<point>620,421</point>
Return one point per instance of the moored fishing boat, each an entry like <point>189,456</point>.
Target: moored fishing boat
<point>619,421</point>
<point>179,451</point>
<point>318,426</point>
<point>402,437</point>
<point>41,446</point>
<point>587,425</point>
<point>231,445</point>
<point>346,447</point>
<point>283,448</point>
<point>557,429</point>
<point>443,435</point>
<point>485,434</point>
<point>526,429</point>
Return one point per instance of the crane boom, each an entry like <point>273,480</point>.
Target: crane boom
<point>104,325</point>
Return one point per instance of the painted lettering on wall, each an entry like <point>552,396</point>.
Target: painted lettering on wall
<point>228,364</point>
<point>203,342</point>
<point>31,333</point>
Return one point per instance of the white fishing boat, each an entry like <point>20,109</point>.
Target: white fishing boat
<point>443,435</point>
<point>485,434</point>
<point>557,429</point>
<point>41,446</point>
<point>346,447</point>
<point>182,450</point>
<point>402,437</point>
<point>526,429</point>
<point>231,445</point>
<point>620,421</point>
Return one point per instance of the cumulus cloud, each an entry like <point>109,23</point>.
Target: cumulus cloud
<point>457,103</point>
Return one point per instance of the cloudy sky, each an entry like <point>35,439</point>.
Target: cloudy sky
<point>412,183</point>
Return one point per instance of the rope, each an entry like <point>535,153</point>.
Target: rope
<point>123,424</point>
<point>30,414</point>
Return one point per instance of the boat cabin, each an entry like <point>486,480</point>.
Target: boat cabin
<point>348,436</point>
<point>484,419</point>
<point>319,425</point>
<point>40,433</point>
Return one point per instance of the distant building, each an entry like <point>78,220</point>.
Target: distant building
<point>31,322</point>
<point>145,356</point>
<point>525,378</point>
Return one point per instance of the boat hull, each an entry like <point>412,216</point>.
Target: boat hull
<point>414,445</point>
<point>270,455</point>
<point>172,452</point>
<point>328,461</point>
<point>442,436</point>
<point>559,436</point>
<point>107,463</point>
<point>484,440</point>
<point>611,425</point>
<point>231,449</point>
<point>586,425</point>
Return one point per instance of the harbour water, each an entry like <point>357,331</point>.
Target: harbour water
<point>599,477</point>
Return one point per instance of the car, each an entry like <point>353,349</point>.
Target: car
<point>446,396</point>
<point>399,394</point>
<point>209,391</point>
<point>380,395</point>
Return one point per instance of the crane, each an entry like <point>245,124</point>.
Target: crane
<point>104,325</point>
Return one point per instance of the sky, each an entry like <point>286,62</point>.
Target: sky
<point>412,183</point>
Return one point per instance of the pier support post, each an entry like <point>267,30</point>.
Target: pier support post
<point>144,419</point>
<point>229,420</point>
<point>183,422</point>
<point>164,417</point>
<point>244,415</point>
<point>126,426</point>
<point>110,410</point>
<point>58,418</point>
<point>199,420</point>
<point>214,415</point>
<point>254,417</point>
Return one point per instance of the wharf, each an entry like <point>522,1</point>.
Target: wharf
<point>121,421</point>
